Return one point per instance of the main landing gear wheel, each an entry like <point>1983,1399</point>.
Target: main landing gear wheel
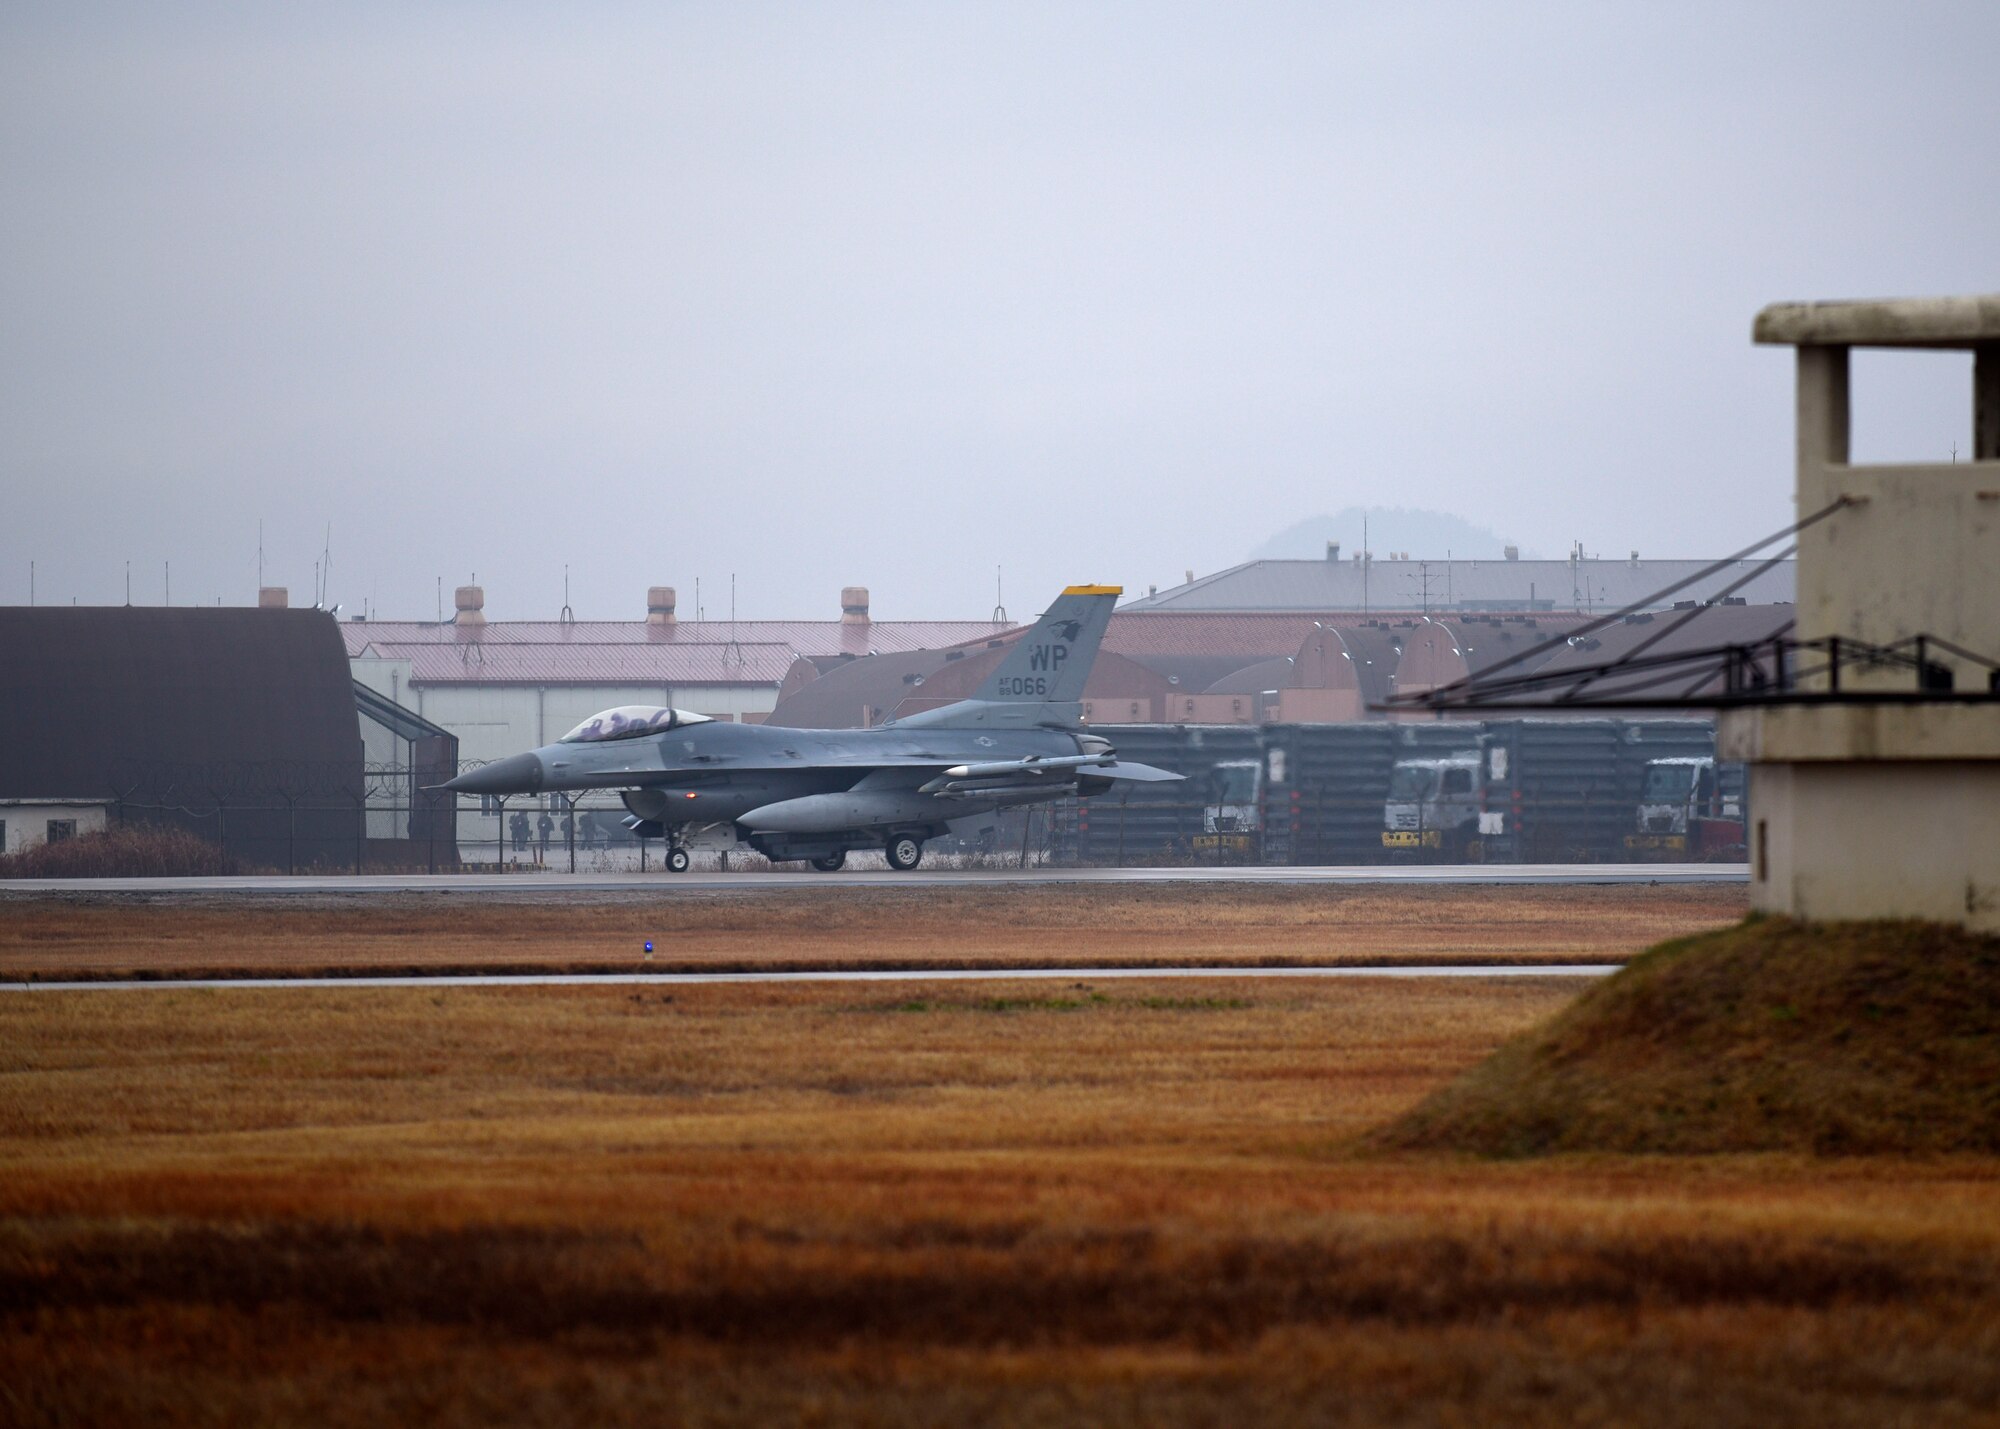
<point>677,860</point>
<point>904,852</point>
<point>830,863</point>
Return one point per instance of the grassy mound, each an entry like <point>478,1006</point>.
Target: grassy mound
<point>132,851</point>
<point>1841,1038</point>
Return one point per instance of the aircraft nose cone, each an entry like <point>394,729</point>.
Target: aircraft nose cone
<point>516,774</point>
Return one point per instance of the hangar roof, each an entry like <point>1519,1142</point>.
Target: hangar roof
<point>91,698</point>
<point>1255,679</point>
<point>1678,632</point>
<point>1457,587</point>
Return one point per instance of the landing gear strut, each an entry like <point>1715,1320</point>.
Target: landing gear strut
<point>904,852</point>
<point>677,859</point>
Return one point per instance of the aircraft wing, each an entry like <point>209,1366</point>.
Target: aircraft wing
<point>1143,773</point>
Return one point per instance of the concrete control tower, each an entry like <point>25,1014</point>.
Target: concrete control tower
<point>1875,792</point>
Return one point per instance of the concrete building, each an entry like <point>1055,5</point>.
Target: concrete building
<point>1876,788</point>
<point>505,686</point>
<point>24,823</point>
<point>240,726</point>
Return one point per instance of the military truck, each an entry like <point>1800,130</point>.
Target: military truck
<point>1434,806</point>
<point>1230,818</point>
<point>1689,808</point>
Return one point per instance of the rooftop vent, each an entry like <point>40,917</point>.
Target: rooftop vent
<point>469,601</point>
<point>660,603</point>
<point>273,597</point>
<point>854,605</point>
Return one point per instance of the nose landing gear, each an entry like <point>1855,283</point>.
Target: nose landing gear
<point>677,859</point>
<point>831,862</point>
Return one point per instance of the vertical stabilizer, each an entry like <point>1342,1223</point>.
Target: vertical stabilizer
<point>1051,663</point>
<point>1041,679</point>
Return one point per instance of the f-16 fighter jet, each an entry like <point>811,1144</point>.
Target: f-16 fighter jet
<point>817,795</point>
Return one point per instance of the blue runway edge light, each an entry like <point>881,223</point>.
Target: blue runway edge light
<point>649,945</point>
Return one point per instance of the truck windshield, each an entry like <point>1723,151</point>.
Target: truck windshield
<point>1667,783</point>
<point>1408,782</point>
<point>1235,784</point>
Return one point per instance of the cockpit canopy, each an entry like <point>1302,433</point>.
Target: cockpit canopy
<point>630,722</point>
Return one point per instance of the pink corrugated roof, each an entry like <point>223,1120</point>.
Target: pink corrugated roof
<point>805,637</point>
<point>521,663</point>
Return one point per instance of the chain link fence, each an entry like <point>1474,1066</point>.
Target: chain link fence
<point>1272,794</point>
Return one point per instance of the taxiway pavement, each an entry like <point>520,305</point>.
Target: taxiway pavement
<point>716,882</point>
<point>843,975</point>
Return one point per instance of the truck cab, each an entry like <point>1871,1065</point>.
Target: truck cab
<point>1229,818</point>
<point>1434,804</point>
<point>1689,807</point>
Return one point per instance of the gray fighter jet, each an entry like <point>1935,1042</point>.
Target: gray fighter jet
<point>818,794</point>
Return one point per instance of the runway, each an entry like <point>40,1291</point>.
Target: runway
<point>806,883</point>
<point>869,975</point>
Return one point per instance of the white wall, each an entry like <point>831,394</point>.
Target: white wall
<point>1877,840</point>
<point>28,824</point>
<point>1918,554</point>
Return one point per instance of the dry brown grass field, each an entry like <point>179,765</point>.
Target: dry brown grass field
<point>72,935</point>
<point>1131,1203</point>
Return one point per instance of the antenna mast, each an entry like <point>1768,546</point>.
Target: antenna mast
<point>733,653</point>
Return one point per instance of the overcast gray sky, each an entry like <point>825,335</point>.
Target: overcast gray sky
<point>893,295</point>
